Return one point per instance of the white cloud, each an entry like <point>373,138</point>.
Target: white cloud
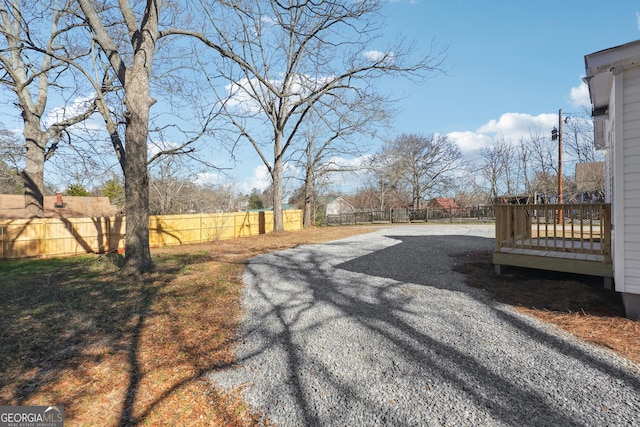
<point>260,179</point>
<point>378,56</point>
<point>242,93</point>
<point>638,19</point>
<point>374,55</point>
<point>517,125</point>
<point>469,141</point>
<point>580,96</point>
<point>78,106</point>
<point>353,162</point>
<point>156,147</point>
<point>348,182</point>
<point>511,126</point>
<point>210,178</point>
<point>514,126</point>
<point>268,20</point>
<point>239,95</point>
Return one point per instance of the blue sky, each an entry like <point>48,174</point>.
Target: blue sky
<point>511,66</point>
<point>506,57</point>
<point>509,56</point>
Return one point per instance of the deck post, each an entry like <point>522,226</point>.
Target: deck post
<point>498,268</point>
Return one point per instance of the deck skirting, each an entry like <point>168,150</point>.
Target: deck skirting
<point>568,262</point>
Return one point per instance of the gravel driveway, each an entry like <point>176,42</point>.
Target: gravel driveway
<point>377,329</point>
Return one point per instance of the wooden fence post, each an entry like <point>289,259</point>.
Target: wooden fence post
<point>43,237</point>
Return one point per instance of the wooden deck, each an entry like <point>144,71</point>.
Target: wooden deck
<point>574,238</point>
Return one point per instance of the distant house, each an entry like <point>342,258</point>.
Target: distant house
<point>339,205</point>
<point>613,77</point>
<point>445,203</point>
<point>59,206</point>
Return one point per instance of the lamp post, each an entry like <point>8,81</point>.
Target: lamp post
<point>556,133</point>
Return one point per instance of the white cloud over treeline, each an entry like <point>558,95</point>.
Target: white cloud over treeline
<point>513,126</point>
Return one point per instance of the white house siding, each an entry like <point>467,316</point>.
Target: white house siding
<point>631,179</point>
<point>614,159</point>
<point>339,206</point>
<point>608,166</point>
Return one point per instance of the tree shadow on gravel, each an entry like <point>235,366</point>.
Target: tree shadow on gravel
<point>294,296</point>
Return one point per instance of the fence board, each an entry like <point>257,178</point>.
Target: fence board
<point>44,237</point>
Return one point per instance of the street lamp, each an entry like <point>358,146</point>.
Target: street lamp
<point>556,134</point>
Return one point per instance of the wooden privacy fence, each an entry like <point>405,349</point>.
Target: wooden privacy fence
<point>44,237</point>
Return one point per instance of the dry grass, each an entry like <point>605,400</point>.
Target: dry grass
<point>578,304</point>
<point>118,351</point>
<point>114,350</point>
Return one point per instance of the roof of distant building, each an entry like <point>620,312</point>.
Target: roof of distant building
<point>443,202</point>
<point>12,207</point>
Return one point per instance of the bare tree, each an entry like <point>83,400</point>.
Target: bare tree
<point>174,189</point>
<point>577,138</point>
<point>135,38</point>
<point>494,158</point>
<point>167,188</point>
<point>524,156</point>
<point>129,36</point>
<point>35,47</point>
<point>132,64</point>
<point>425,163</point>
<point>10,157</point>
<point>385,188</point>
<point>332,133</point>
<point>284,58</point>
<point>491,169</point>
<point>543,155</point>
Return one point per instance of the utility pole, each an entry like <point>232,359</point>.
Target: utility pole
<point>557,134</point>
<point>560,200</point>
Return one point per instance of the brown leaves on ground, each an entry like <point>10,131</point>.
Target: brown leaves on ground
<point>578,304</point>
<point>115,350</point>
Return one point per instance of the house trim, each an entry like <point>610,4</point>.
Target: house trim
<point>617,205</point>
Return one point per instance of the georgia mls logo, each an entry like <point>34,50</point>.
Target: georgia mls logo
<point>31,416</point>
<point>53,408</point>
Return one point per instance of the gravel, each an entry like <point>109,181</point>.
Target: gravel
<point>377,329</point>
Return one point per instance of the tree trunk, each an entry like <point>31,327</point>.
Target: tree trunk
<point>138,103</point>
<point>308,195</point>
<point>33,173</point>
<point>276,175</point>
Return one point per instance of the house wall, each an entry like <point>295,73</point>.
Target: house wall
<point>614,174</point>
<point>339,206</point>
<point>613,77</point>
<point>630,179</point>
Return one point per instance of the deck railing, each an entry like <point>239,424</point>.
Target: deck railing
<point>572,228</point>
